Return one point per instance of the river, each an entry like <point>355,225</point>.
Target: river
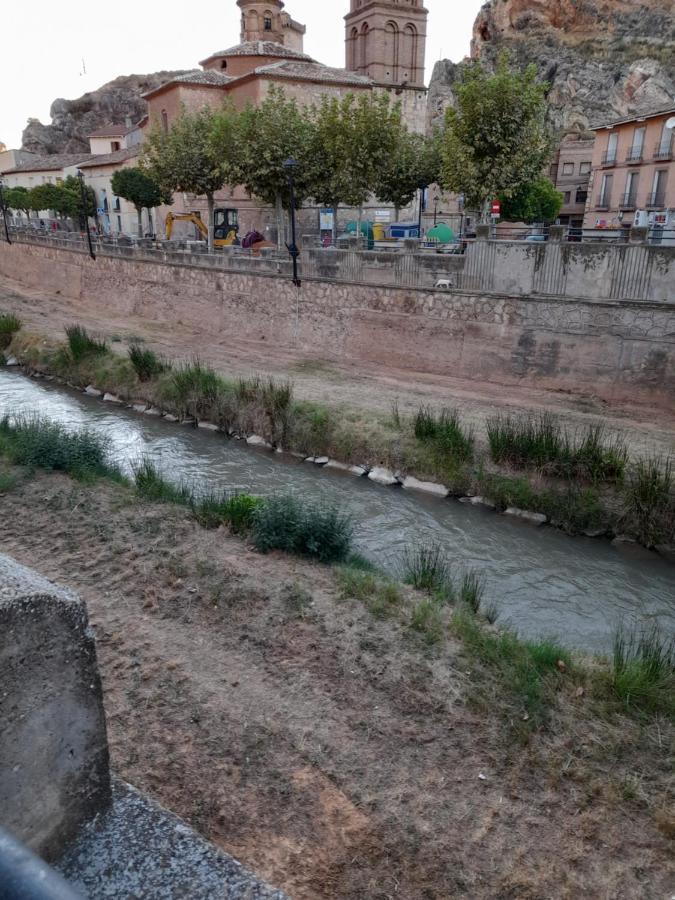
<point>543,582</point>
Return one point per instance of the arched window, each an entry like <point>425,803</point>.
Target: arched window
<point>363,61</point>
<point>409,54</point>
<point>391,50</point>
<point>354,49</point>
<point>165,121</point>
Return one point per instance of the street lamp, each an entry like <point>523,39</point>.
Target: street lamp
<point>4,212</point>
<point>290,166</point>
<point>422,186</point>
<point>437,200</point>
<point>83,198</point>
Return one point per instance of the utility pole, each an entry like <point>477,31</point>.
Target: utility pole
<point>83,198</point>
<point>4,212</point>
<point>290,166</point>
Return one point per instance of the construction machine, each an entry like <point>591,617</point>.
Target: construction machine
<point>225,225</point>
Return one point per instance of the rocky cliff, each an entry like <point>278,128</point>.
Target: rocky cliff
<point>602,58</point>
<point>74,120</point>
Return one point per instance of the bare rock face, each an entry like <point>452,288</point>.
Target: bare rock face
<point>603,59</point>
<point>74,120</point>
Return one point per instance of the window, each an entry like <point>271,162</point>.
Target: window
<point>567,197</point>
<point>267,23</point>
<point>165,120</point>
<point>582,196</point>
<point>635,152</point>
<point>612,141</point>
<point>568,168</point>
<point>585,168</point>
<point>605,191</point>
<point>114,146</point>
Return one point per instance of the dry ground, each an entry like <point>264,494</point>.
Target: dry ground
<point>354,385</point>
<point>333,753</point>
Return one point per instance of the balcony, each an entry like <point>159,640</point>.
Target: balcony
<point>656,200</point>
<point>602,202</point>
<point>609,158</point>
<point>634,156</point>
<point>628,201</point>
<point>581,197</point>
<point>663,151</point>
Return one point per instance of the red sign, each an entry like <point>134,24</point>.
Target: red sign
<point>496,208</point>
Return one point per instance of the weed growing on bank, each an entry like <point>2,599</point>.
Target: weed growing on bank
<point>153,486</point>
<point>9,326</point>
<point>235,510</point>
<point>147,364</point>
<point>381,596</point>
<point>426,568</point>
<point>81,345</point>
<point>38,443</point>
<point>540,442</point>
<point>643,671</point>
<point>649,501</point>
<point>286,523</point>
<point>445,432</point>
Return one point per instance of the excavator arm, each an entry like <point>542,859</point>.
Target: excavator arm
<point>185,217</point>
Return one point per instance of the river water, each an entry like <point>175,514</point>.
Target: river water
<point>543,582</point>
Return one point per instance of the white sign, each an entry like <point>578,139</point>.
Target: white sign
<point>383,215</point>
<point>326,218</point>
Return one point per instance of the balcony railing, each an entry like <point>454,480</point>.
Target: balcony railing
<point>602,202</point>
<point>608,158</point>
<point>634,155</point>
<point>628,200</point>
<point>664,150</point>
<point>657,199</point>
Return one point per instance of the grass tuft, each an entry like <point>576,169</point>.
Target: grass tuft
<point>426,568</point>
<point>146,363</point>
<point>39,442</point>
<point>427,620</point>
<point>153,486</point>
<point>82,345</point>
<point>643,671</point>
<point>471,591</point>
<point>380,595</point>
<point>445,432</point>
<point>9,325</point>
<point>289,524</point>
<point>235,510</point>
<point>649,501</point>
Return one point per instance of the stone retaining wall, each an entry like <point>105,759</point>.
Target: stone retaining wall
<point>616,349</point>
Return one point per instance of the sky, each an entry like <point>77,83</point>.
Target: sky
<point>78,46</point>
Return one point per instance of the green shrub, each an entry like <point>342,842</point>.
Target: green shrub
<point>426,568</point>
<point>36,441</point>
<point>81,345</point>
<point>196,390</point>
<point>599,459</point>
<point>236,510</point>
<point>288,524</point>
<point>146,363</point>
<point>9,325</point>
<point>643,671</point>
<point>153,486</point>
<point>649,501</point>
<point>446,432</point>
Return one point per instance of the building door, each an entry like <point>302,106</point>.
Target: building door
<point>631,189</point>
<point>605,198</point>
<point>638,144</point>
<point>612,141</point>
<point>658,196</point>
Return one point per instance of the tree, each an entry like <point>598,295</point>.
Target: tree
<point>537,201</point>
<point>412,162</point>
<point>46,197</point>
<point>18,199</point>
<point>349,147</point>
<point>495,139</point>
<point>185,158</point>
<point>268,135</point>
<point>138,188</point>
<point>70,203</point>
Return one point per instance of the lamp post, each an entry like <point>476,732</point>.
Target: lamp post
<point>422,186</point>
<point>436,202</point>
<point>83,198</point>
<point>4,212</point>
<point>290,166</point>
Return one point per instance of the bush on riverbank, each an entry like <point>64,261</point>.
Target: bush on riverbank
<point>81,345</point>
<point>643,671</point>
<point>445,433</point>
<point>649,502</point>
<point>9,326</point>
<point>37,442</point>
<point>289,524</point>
<point>147,364</point>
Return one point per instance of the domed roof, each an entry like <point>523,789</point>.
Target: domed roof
<point>259,48</point>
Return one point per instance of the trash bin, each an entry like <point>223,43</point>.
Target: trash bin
<point>378,232</point>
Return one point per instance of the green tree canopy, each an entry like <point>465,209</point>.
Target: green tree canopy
<point>537,201</point>
<point>139,188</point>
<point>413,161</point>
<point>18,199</point>
<point>350,145</point>
<point>186,158</point>
<point>495,139</point>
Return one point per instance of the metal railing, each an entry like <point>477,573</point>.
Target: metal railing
<point>656,199</point>
<point>602,202</point>
<point>23,876</point>
<point>634,155</point>
<point>608,158</point>
<point>663,151</point>
<point>628,200</point>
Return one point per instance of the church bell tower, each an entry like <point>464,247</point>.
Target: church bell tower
<point>386,40</point>
<point>265,20</point>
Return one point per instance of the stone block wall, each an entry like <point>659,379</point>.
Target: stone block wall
<point>54,766</point>
<point>620,350</point>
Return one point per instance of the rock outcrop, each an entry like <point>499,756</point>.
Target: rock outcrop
<point>73,120</point>
<point>603,59</point>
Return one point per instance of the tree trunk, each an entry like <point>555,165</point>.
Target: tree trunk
<point>151,228</point>
<point>139,213</point>
<point>281,231</point>
<point>397,213</point>
<point>335,222</point>
<point>210,205</point>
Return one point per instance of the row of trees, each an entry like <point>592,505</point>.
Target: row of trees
<point>63,198</point>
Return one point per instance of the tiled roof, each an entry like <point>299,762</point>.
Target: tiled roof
<point>647,114</point>
<point>260,48</point>
<point>51,163</point>
<point>302,71</point>
<point>113,131</point>
<point>208,78</point>
<point>107,159</point>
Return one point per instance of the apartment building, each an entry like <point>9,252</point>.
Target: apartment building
<point>633,173</point>
<point>571,174</point>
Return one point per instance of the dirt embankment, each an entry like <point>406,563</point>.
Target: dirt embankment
<point>335,754</point>
<point>359,389</point>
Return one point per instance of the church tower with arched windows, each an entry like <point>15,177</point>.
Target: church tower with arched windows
<point>265,20</point>
<point>386,40</point>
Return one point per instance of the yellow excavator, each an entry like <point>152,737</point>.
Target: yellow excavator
<point>225,225</point>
